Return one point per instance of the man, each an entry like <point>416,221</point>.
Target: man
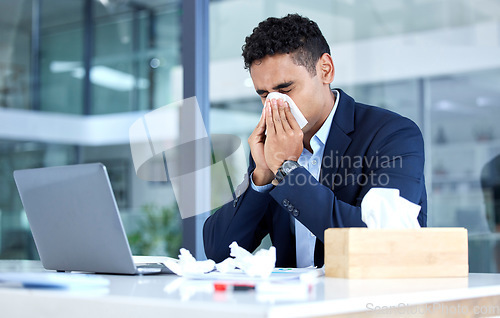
<point>305,181</point>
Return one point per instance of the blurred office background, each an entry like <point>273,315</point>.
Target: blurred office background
<point>434,61</point>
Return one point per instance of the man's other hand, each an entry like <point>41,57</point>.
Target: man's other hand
<point>262,174</point>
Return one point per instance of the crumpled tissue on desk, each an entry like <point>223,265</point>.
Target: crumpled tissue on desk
<point>259,265</point>
<point>187,264</point>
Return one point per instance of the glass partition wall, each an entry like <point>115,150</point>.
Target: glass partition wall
<point>67,67</point>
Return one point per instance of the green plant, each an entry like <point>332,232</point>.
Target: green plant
<point>159,232</point>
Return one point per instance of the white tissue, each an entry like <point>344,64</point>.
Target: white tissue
<point>384,208</point>
<point>226,266</point>
<point>259,265</point>
<point>301,120</point>
<point>187,264</point>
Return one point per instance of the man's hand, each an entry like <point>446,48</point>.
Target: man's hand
<point>262,174</point>
<point>284,137</point>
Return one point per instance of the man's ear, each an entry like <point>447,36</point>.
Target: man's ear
<point>325,68</point>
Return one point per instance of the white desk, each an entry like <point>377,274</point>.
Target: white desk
<point>170,296</point>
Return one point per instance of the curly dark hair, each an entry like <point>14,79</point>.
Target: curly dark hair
<point>291,34</point>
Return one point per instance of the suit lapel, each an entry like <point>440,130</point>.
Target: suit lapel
<point>338,139</point>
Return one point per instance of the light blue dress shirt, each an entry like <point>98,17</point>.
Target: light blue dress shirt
<point>305,240</point>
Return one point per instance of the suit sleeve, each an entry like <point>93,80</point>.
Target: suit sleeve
<point>242,221</point>
<point>398,146</point>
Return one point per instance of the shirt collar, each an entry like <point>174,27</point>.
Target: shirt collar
<point>324,131</point>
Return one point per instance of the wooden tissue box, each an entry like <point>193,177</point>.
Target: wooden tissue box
<point>386,253</point>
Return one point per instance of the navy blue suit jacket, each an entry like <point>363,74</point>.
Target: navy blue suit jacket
<point>367,147</point>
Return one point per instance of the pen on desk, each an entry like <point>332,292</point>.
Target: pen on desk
<point>223,286</point>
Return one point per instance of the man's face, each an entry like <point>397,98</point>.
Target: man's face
<point>278,73</point>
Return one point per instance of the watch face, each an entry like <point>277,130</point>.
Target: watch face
<point>289,166</point>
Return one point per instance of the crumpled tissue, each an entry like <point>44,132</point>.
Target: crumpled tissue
<point>259,265</point>
<point>187,264</point>
<point>384,208</point>
<point>301,120</point>
<point>226,266</point>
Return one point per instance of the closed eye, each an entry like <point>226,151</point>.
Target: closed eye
<point>281,91</point>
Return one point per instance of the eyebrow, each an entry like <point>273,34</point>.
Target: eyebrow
<point>277,87</point>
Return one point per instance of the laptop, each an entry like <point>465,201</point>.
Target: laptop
<point>75,221</point>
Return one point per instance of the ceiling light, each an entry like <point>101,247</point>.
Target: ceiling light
<point>482,101</point>
<point>445,105</point>
<point>110,78</point>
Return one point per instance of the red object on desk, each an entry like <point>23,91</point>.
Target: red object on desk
<point>223,286</point>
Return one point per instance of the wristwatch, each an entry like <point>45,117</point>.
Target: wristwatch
<point>287,167</point>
